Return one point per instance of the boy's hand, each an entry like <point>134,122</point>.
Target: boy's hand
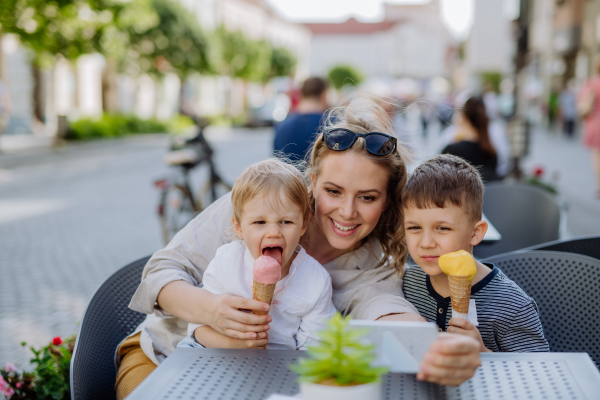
<point>209,338</point>
<point>464,327</point>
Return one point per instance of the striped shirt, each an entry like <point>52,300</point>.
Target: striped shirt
<point>508,318</point>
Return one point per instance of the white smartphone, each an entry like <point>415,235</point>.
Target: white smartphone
<point>400,346</point>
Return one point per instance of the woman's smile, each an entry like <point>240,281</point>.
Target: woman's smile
<point>343,229</point>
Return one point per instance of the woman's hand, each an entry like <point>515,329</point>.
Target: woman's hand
<point>220,311</point>
<point>451,360</point>
<point>226,317</point>
<point>464,327</point>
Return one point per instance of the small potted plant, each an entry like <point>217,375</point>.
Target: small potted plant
<point>339,367</point>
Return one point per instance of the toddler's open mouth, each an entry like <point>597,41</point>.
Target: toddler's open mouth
<point>274,251</point>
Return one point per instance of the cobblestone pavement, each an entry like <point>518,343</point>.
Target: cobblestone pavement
<point>70,218</point>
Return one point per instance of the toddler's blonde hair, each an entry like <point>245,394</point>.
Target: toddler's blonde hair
<point>270,177</point>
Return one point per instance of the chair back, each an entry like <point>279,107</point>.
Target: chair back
<point>565,287</point>
<point>584,245</point>
<point>523,214</point>
<point>106,322</point>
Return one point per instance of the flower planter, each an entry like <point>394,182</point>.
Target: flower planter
<point>314,391</point>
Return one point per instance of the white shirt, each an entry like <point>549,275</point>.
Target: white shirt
<point>301,303</point>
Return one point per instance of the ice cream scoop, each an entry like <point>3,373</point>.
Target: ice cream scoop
<point>458,263</point>
<point>461,269</point>
<point>266,273</point>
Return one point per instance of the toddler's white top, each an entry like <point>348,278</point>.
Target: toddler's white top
<point>302,301</point>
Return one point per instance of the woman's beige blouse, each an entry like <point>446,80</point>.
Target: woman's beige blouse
<point>359,287</point>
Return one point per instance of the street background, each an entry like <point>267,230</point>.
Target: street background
<point>86,112</point>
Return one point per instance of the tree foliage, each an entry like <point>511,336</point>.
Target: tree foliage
<point>283,62</point>
<point>343,75</point>
<point>142,36</point>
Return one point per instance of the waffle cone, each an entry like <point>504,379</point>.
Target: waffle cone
<point>264,293</point>
<point>460,292</point>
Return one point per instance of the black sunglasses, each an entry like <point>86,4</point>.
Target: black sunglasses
<point>377,143</point>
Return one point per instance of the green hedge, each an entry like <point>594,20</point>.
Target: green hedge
<point>115,125</point>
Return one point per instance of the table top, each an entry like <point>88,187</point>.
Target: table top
<point>255,374</point>
<point>492,234</point>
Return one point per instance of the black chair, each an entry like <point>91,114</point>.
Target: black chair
<point>584,245</point>
<point>106,322</point>
<point>565,287</point>
<point>523,214</point>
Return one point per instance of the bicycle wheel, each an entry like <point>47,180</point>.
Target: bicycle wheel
<point>177,210</point>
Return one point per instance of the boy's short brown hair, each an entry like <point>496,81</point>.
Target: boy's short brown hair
<point>270,177</point>
<point>445,178</point>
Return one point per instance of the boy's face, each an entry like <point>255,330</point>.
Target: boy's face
<point>433,232</point>
<point>269,223</point>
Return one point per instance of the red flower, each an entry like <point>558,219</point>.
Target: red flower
<point>538,172</point>
<point>57,341</point>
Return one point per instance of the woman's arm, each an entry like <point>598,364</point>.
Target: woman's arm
<point>220,311</point>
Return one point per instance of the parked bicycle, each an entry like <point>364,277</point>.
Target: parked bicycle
<point>178,203</point>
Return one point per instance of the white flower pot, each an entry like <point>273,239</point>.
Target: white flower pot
<point>314,391</point>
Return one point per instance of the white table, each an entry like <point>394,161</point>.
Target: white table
<point>255,374</point>
<point>492,234</point>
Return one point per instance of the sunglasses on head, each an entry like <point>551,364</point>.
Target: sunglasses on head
<point>377,143</point>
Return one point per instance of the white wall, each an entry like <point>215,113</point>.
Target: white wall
<point>19,84</point>
<point>489,45</point>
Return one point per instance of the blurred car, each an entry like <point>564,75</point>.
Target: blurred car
<point>271,112</point>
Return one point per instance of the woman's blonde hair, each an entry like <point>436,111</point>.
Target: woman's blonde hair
<point>270,177</point>
<point>362,114</point>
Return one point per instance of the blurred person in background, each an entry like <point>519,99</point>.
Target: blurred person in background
<point>568,109</point>
<point>470,139</point>
<point>5,108</point>
<point>588,105</point>
<point>294,136</point>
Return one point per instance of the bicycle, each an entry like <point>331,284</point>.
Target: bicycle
<point>178,204</point>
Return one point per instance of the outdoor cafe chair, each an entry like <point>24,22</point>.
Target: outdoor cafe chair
<point>106,322</point>
<point>523,214</point>
<point>584,245</point>
<point>565,287</point>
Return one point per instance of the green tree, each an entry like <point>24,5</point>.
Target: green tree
<point>342,75</point>
<point>235,55</point>
<point>176,42</point>
<point>283,62</point>
<point>73,27</point>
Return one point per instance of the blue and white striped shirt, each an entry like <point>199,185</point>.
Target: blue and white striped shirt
<point>508,318</point>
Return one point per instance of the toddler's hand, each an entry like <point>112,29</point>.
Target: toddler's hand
<point>464,327</point>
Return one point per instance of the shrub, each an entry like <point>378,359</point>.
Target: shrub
<point>344,75</point>
<point>115,125</point>
<point>50,378</point>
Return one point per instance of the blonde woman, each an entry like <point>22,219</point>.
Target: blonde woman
<point>357,171</point>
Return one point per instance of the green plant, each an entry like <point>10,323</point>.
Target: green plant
<point>340,357</point>
<point>49,379</point>
<point>115,125</point>
<point>344,75</point>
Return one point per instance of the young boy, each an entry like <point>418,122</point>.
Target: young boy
<point>442,213</point>
<point>271,212</point>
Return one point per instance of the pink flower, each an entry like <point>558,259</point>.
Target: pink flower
<point>10,367</point>
<point>18,385</point>
<point>5,389</point>
<point>57,341</point>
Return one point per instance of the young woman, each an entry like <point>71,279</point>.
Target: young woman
<point>472,139</point>
<point>357,172</point>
